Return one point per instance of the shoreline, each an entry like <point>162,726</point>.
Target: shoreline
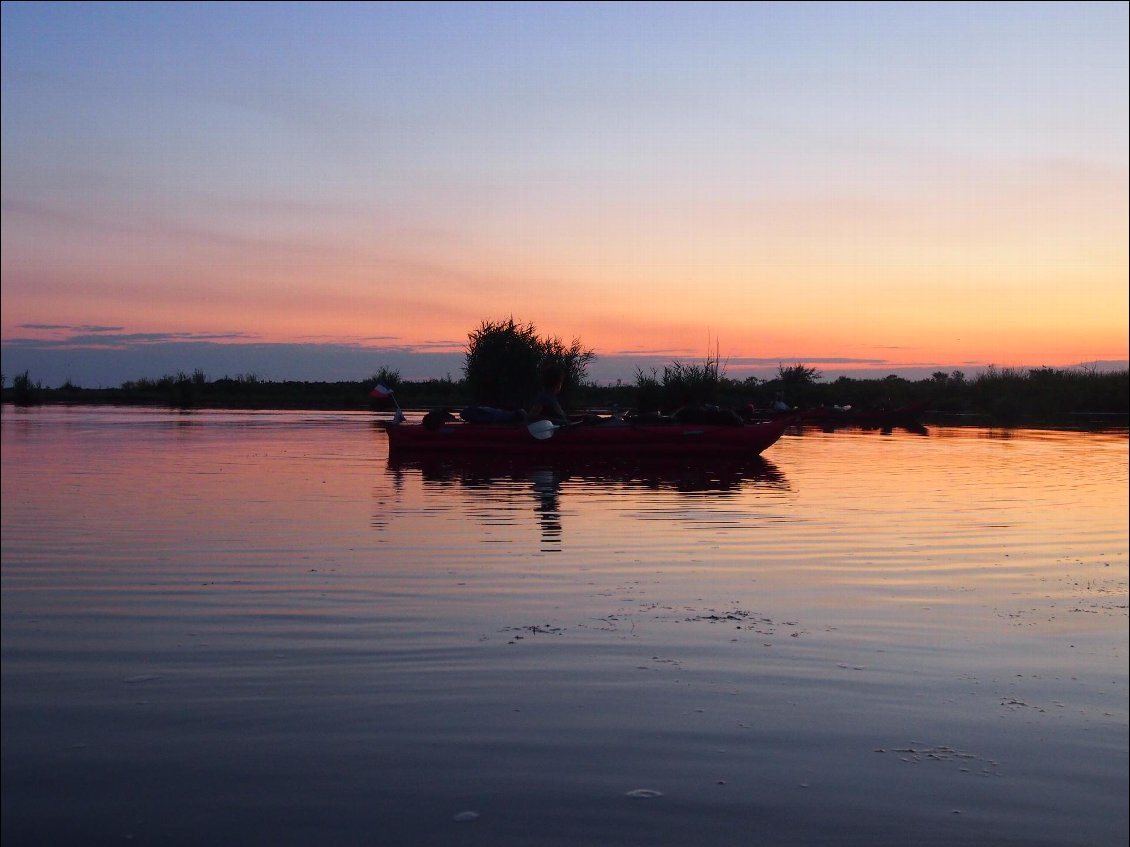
<point>1001,397</point>
<point>1075,421</point>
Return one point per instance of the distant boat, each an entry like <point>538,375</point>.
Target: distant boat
<point>901,416</point>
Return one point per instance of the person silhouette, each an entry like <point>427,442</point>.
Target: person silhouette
<point>546,406</point>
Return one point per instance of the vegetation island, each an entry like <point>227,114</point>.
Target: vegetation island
<point>503,360</point>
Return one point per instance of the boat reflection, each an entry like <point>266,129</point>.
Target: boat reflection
<point>548,480</point>
<point>705,474</point>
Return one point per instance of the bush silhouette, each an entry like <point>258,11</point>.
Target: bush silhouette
<point>504,359</point>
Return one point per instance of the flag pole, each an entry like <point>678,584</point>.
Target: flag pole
<point>381,392</point>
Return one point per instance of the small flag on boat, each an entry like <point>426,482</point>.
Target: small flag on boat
<point>381,392</point>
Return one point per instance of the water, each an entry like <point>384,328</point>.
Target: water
<point>253,627</point>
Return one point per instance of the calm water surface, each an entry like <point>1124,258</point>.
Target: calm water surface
<point>256,628</point>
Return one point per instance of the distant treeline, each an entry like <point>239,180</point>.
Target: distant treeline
<point>999,394</point>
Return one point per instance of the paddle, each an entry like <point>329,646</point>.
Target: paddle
<point>542,430</point>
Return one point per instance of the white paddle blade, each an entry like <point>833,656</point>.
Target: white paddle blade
<point>542,430</point>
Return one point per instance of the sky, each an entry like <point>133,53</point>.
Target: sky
<point>317,191</point>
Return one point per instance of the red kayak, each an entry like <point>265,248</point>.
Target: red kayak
<point>620,439</point>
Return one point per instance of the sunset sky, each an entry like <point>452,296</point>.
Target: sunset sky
<point>314,191</point>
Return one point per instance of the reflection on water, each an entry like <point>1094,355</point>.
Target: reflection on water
<point>256,627</point>
<point>494,477</point>
<point>884,427</point>
<point>547,493</point>
<point>714,474</point>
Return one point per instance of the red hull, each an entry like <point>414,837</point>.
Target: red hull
<point>627,440</point>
